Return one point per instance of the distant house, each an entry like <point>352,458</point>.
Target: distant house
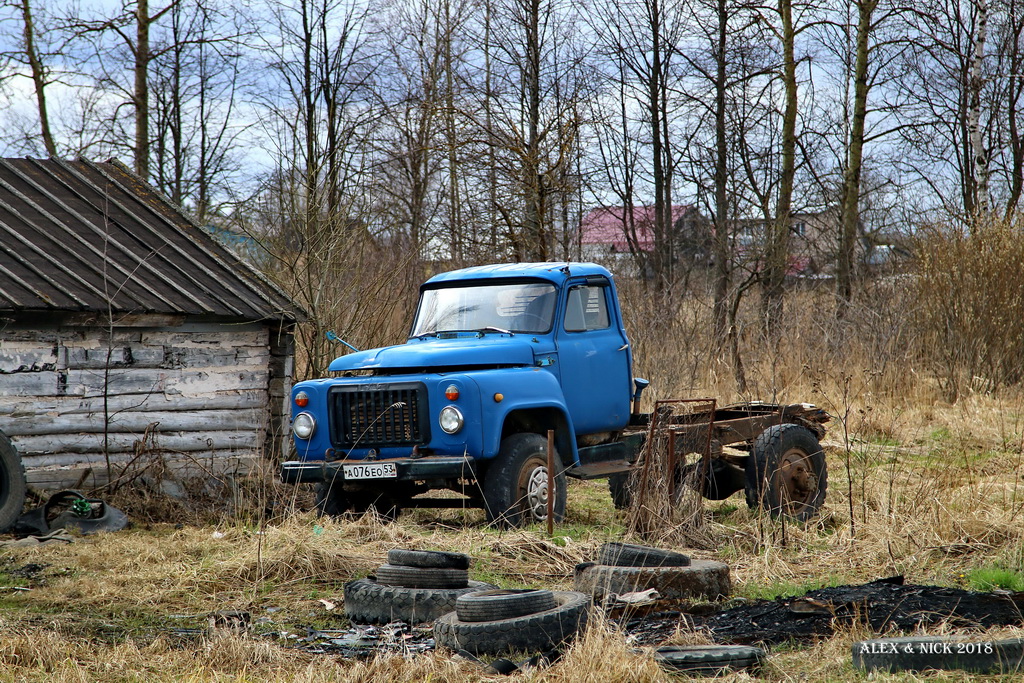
<point>812,240</point>
<point>129,337</point>
<point>606,238</point>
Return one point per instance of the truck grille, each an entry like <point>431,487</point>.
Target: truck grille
<point>384,415</point>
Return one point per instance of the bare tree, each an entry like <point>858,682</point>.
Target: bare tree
<point>29,53</point>
<point>639,41</point>
<point>532,87</point>
<point>194,128</point>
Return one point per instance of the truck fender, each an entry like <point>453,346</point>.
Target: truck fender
<point>524,399</point>
<point>539,419</point>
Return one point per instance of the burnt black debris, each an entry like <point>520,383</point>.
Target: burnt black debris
<point>886,605</point>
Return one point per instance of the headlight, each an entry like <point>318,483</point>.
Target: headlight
<point>303,425</point>
<point>451,419</point>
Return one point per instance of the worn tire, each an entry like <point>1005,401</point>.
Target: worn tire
<point>708,660</point>
<point>620,486</point>
<point>369,602</point>
<point>703,579</point>
<point>331,500</point>
<point>529,633</point>
<point>786,472</point>
<point>421,577</point>
<point>334,501</point>
<point>503,604</point>
<point>630,555</point>
<point>516,483</point>
<point>12,483</point>
<point>428,559</point>
<point>918,653</point>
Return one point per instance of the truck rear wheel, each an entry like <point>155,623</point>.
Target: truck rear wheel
<point>786,472</point>
<point>12,483</point>
<point>517,484</point>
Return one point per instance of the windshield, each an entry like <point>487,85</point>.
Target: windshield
<point>512,307</point>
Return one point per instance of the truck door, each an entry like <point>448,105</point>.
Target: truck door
<point>594,358</point>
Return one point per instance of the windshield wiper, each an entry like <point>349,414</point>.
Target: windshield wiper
<point>424,335</point>
<point>491,328</point>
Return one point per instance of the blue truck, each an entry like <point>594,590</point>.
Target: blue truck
<point>499,359</point>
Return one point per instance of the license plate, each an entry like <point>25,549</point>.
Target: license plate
<point>376,470</point>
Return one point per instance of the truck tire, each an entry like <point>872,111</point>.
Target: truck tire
<point>369,602</point>
<point>529,633</point>
<point>630,555</point>
<point>334,501</point>
<point>708,660</point>
<point>703,579</point>
<point>786,472</point>
<point>12,483</point>
<point>516,483</point>
<point>621,488</point>
<point>503,604</point>
<point>428,559</point>
<point>918,653</point>
<point>420,577</point>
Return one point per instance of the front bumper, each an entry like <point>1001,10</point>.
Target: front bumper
<point>409,469</point>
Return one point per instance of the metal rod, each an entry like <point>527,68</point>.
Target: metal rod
<point>671,466</point>
<point>551,482</point>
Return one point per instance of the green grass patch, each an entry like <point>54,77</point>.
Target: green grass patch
<point>991,578</point>
<point>786,589</point>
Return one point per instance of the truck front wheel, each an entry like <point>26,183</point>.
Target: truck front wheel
<point>517,484</point>
<point>12,483</point>
<point>786,472</point>
<point>334,501</point>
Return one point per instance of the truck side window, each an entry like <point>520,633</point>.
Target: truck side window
<point>586,309</point>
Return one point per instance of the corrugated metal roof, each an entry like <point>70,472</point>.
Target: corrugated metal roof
<point>85,236</point>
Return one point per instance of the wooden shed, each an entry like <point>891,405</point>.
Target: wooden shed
<point>129,337</point>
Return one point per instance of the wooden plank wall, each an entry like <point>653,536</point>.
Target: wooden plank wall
<point>193,399</point>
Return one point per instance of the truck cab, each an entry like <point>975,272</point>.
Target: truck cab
<point>496,357</point>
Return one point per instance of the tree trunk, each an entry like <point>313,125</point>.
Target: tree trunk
<point>723,269</point>
<point>777,252</point>
<point>537,246</point>
<point>979,158</point>
<point>141,95</point>
<point>38,77</point>
<point>654,86</point>
<point>850,209</point>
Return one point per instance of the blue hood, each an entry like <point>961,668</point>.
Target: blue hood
<point>466,352</point>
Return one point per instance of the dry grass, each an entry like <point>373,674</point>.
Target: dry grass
<point>918,486</point>
<point>934,490</point>
<point>930,500</point>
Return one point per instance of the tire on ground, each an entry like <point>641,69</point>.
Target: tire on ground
<point>428,559</point>
<point>786,473</point>
<point>529,633</point>
<point>703,579</point>
<point>709,660</point>
<point>918,653</point>
<point>503,604</point>
<point>631,555</point>
<point>421,577</point>
<point>516,484</point>
<point>12,483</point>
<point>369,602</point>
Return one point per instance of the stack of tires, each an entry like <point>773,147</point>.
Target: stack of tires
<point>627,568</point>
<point>414,586</point>
<point>502,621</point>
